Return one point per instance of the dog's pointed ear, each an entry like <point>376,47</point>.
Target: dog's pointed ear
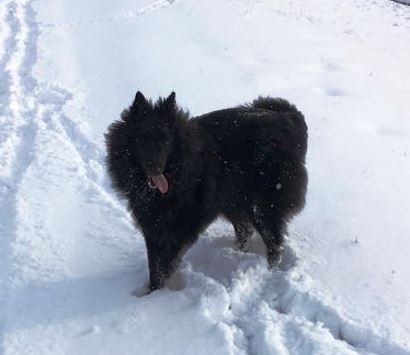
<point>171,100</point>
<point>140,101</point>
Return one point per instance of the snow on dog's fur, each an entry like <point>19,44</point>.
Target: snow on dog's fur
<point>178,174</point>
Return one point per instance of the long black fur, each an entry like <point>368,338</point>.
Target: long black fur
<point>245,163</point>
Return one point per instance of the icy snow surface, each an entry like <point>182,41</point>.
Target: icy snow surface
<point>70,258</point>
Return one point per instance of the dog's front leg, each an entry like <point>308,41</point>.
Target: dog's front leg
<point>164,256</point>
<point>156,276</point>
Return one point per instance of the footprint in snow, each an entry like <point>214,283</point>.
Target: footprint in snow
<point>335,92</point>
<point>392,131</point>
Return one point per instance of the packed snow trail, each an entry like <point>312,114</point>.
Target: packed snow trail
<point>70,259</point>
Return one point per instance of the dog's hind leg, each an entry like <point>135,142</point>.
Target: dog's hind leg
<point>243,233</point>
<point>272,228</point>
<point>243,230</point>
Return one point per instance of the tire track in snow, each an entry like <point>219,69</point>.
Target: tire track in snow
<point>29,109</point>
<point>26,105</point>
<point>18,121</point>
<point>12,97</point>
<point>18,131</point>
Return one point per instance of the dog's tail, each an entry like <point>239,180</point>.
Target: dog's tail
<point>293,129</point>
<point>279,105</point>
<point>273,104</point>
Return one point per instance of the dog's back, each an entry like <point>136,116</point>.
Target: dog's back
<point>258,147</point>
<point>267,122</point>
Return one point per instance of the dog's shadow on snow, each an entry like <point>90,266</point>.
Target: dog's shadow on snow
<point>213,256</point>
<point>219,258</point>
<point>55,301</point>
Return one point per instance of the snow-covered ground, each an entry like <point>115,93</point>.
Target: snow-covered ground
<point>70,258</point>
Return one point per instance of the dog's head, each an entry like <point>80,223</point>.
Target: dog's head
<point>152,129</point>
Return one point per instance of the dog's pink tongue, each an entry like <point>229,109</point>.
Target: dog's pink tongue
<point>160,183</point>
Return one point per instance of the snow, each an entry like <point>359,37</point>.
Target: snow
<point>71,262</point>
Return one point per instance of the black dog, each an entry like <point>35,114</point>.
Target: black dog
<point>179,174</point>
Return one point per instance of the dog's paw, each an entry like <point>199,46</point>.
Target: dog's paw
<point>274,261</point>
<point>243,246</point>
<point>176,282</point>
<point>141,291</point>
